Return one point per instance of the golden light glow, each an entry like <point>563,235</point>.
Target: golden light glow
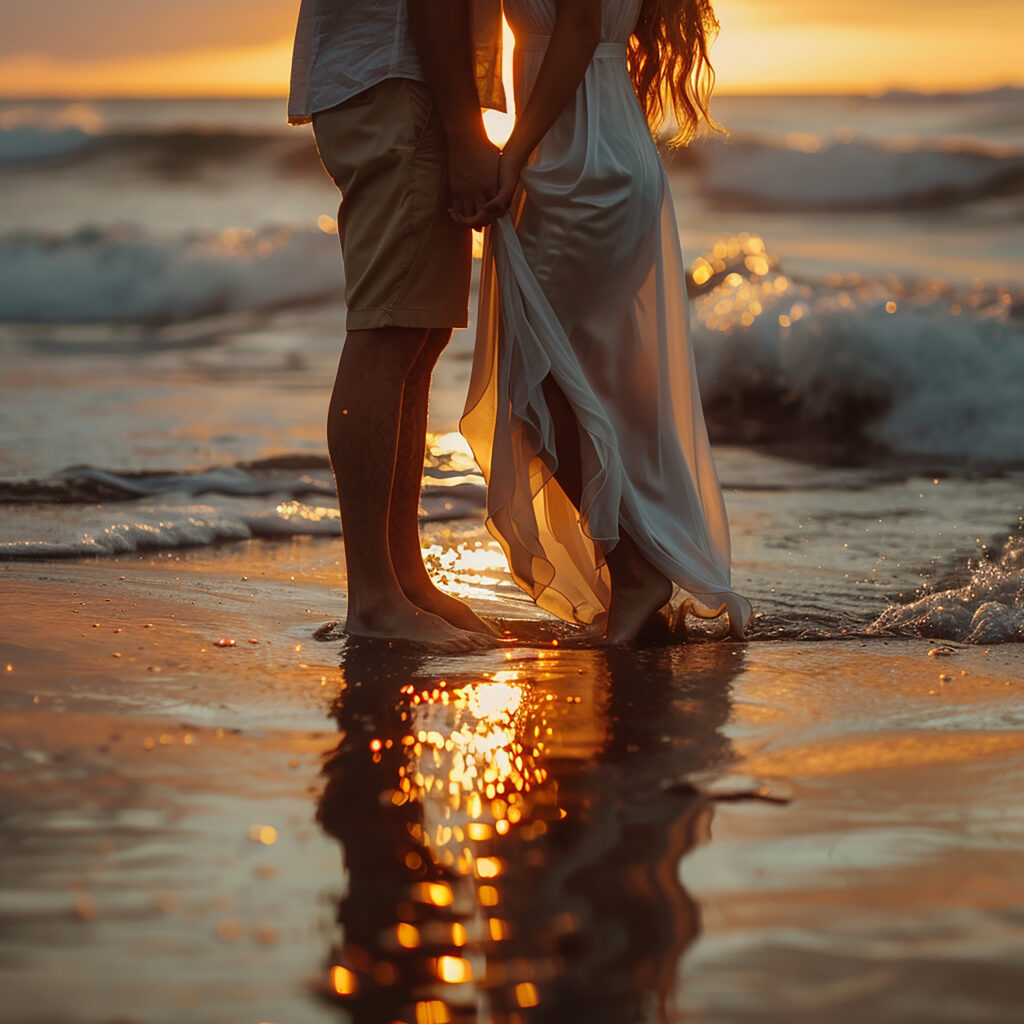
<point>215,71</point>
<point>796,47</point>
<point>437,893</point>
<point>408,936</point>
<point>788,47</point>
<point>454,969</point>
<point>343,981</point>
<point>470,766</point>
<point>432,1011</point>
<point>311,513</point>
<point>265,834</point>
<point>488,867</point>
<point>526,994</point>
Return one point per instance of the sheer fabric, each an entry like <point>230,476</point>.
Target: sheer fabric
<point>584,280</point>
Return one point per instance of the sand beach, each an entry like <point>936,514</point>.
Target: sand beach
<point>782,830</point>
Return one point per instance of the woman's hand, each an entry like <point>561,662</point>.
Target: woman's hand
<point>510,167</point>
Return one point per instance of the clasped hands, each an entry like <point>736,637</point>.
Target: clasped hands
<point>483,180</point>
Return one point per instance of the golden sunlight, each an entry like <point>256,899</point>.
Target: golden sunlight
<point>454,969</point>
<point>218,71</point>
<point>758,50</point>
<point>499,125</point>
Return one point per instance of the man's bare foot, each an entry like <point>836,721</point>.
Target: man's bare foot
<point>635,603</point>
<point>451,609</point>
<point>403,621</point>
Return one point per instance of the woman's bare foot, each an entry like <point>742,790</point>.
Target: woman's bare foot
<point>451,609</point>
<point>403,621</point>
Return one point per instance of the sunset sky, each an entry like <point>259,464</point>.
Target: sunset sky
<point>243,47</point>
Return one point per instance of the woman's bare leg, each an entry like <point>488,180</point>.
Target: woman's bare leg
<point>639,590</point>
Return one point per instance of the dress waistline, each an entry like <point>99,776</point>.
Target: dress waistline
<point>530,43</point>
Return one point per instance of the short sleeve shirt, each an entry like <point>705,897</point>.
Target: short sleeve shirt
<point>343,47</point>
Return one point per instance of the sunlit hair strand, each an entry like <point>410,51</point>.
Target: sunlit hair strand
<point>670,67</point>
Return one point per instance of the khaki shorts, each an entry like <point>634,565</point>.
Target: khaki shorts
<point>407,263</point>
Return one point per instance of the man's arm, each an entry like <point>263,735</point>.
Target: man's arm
<point>442,33</point>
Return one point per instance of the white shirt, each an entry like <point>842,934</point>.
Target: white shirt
<point>345,46</point>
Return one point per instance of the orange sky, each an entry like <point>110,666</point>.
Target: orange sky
<point>243,47</point>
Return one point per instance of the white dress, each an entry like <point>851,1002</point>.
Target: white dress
<point>584,280</point>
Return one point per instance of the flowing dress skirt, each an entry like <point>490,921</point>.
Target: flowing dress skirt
<point>584,281</point>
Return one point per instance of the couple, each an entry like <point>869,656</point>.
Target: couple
<point>583,410</point>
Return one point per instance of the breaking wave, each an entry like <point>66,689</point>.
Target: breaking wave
<point>173,153</point>
<point>987,609</point>
<point>853,174</point>
<point>795,171</point>
<point>86,511</point>
<point>124,275</point>
<point>915,367</point>
<point>921,368</point>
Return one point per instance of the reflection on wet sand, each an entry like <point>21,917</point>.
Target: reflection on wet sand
<point>510,849</point>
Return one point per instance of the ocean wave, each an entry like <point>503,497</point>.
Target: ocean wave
<point>24,144</point>
<point>59,517</point>
<point>123,275</point>
<point>172,153</point>
<point>784,171</point>
<point>919,368</point>
<point>987,609</point>
<point>807,173</point>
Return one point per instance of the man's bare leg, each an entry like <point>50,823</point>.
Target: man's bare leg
<point>403,523</point>
<point>362,437</point>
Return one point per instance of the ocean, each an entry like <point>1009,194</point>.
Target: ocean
<point>171,312</point>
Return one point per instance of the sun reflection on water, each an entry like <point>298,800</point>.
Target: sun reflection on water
<point>471,759</point>
<point>495,852</point>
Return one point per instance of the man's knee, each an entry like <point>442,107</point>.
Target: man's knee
<point>437,340</point>
<point>384,347</point>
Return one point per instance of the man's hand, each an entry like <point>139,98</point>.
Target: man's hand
<point>510,167</point>
<point>473,174</point>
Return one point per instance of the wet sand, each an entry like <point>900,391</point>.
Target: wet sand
<point>292,830</point>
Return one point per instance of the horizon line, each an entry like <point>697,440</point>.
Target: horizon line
<point>725,94</point>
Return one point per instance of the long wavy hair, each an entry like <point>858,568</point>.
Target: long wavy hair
<point>670,67</point>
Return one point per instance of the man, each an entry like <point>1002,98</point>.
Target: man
<point>392,92</point>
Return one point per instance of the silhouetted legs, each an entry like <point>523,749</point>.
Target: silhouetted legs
<point>403,519</point>
<point>364,424</point>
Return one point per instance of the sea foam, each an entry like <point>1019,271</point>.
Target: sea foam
<point>987,609</point>
<point>126,275</point>
<point>917,368</point>
<point>85,511</point>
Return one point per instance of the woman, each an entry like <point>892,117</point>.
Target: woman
<point>583,409</point>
